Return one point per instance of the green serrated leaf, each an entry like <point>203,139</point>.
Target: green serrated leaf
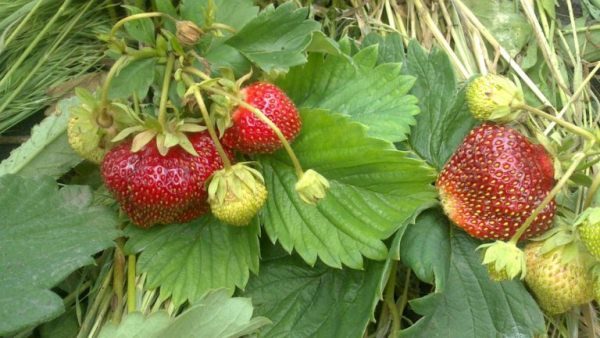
<point>321,43</point>
<point>47,152</point>
<point>319,301</point>
<point>374,189</point>
<point>214,315</point>
<point>390,47</point>
<point>375,96</point>
<point>135,77</point>
<point>234,13</point>
<point>141,29</point>
<point>444,120</point>
<point>38,218</point>
<point>276,38</point>
<point>466,303</point>
<point>186,260</point>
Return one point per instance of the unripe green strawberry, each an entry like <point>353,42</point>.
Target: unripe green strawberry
<point>236,194</point>
<point>492,98</point>
<point>590,236</point>
<point>85,136</point>
<point>589,230</point>
<point>557,284</point>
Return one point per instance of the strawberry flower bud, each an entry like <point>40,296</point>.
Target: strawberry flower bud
<point>493,98</point>
<point>236,194</point>
<point>188,33</point>
<point>312,187</point>
<point>504,260</point>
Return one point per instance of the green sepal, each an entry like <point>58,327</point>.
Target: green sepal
<point>142,139</point>
<point>505,259</point>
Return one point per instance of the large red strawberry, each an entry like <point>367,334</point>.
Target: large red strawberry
<point>155,189</point>
<point>248,134</point>
<point>493,182</point>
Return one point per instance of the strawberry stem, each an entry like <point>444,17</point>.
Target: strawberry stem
<point>104,119</point>
<point>164,94</point>
<point>118,279</point>
<point>591,193</point>
<point>138,16</point>
<point>563,180</point>
<point>261,116</point>
<point>569,126</point>
<point>131,290</point>
<point>209,124</point>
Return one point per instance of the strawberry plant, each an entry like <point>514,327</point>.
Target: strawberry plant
<point>251,169</point>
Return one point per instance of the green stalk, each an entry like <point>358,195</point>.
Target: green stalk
<point>164,94</point>
<point>569,126</point>
<point>211,129</point>
<point>104,288</point>
<point>34,43</point>
<point>563,180</point>
<point>21,25</point>
<point>390,302</point>
<point>138,16</point>
<point>591,193</point>
<point>105,120</point>
<point>131,287</point>
<point>44,58</point>
<point>262,117</point>
<point>118,279</point>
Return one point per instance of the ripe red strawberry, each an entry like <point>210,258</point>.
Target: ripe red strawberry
<point>493,182</point>
<point>155,189</point>
<point>248,134</point>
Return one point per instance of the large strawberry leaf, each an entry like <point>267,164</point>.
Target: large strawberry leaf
<point>186,260</point>
<point>235,13</point>
<point>275,40</point>
<point>375,95</point>
<point>45,234</point>
<point>213,315</point>
<point>444,119</point>
<point>47,152</point>
<point>374,190</point>
<point>319,301</point>
<point>466,302</point>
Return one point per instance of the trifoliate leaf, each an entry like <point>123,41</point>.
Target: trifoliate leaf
<point>304,301</point>
<point>275,40</point>
<point>376,96</point>
<point>466,302</point>
<point>215,315</point>
<point>234,13</point>
<point>47,152</point>
<point>45,234</point>
<point>186,260</point>
<point>444,120</point>
<point>141,29</point>
<point>136,76</point>
<point>374,189</point>
<point>391,47</point>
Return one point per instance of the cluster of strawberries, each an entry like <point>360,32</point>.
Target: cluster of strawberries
<point>152,188</point>
<point>500,186</point>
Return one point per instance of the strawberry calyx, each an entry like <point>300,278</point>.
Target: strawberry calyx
<point>236,194</point>
<point>312,187</point>
<point>504,260</point>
